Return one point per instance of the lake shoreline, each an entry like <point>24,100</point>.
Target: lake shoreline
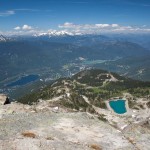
<point>116,99</point>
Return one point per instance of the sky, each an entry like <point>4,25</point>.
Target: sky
<point>76,16</point>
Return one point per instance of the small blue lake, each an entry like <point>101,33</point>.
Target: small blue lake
<point>118,106</point>
<point>24,80</point>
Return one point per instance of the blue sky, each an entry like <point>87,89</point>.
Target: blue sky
<point>74,15</point>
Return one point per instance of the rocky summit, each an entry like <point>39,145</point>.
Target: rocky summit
<point>46,125</point>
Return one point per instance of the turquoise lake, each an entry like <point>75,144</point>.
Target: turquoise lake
<point>118,106</point>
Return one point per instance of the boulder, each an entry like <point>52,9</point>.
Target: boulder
<point>2,99</point>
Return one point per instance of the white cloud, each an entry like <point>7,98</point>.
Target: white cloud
<point>26,27</point>
<point>68,25</point>
<point>78,29</point>
<point>115,25</point>
<point>101,28</point>
<point>101,25</point>
<point>7,13</point>
<point>17,28</point>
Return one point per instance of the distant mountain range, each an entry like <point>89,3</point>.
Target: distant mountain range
<point>66,54</point>
<point>18,56</point>
<point>55,55</point>
<point>83,39</point>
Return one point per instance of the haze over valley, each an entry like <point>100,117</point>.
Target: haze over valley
<point>52,57</point>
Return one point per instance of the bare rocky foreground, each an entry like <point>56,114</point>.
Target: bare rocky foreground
<point>47,127</point>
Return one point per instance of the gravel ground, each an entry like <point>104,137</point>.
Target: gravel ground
<point>46,127</point>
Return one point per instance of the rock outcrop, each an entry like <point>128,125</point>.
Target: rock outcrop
<point>45,126</point>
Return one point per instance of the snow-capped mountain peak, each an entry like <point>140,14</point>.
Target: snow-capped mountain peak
<point>51,33</point>
<point>3,38</point>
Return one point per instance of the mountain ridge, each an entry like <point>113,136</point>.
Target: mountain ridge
<point>91,83</point>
